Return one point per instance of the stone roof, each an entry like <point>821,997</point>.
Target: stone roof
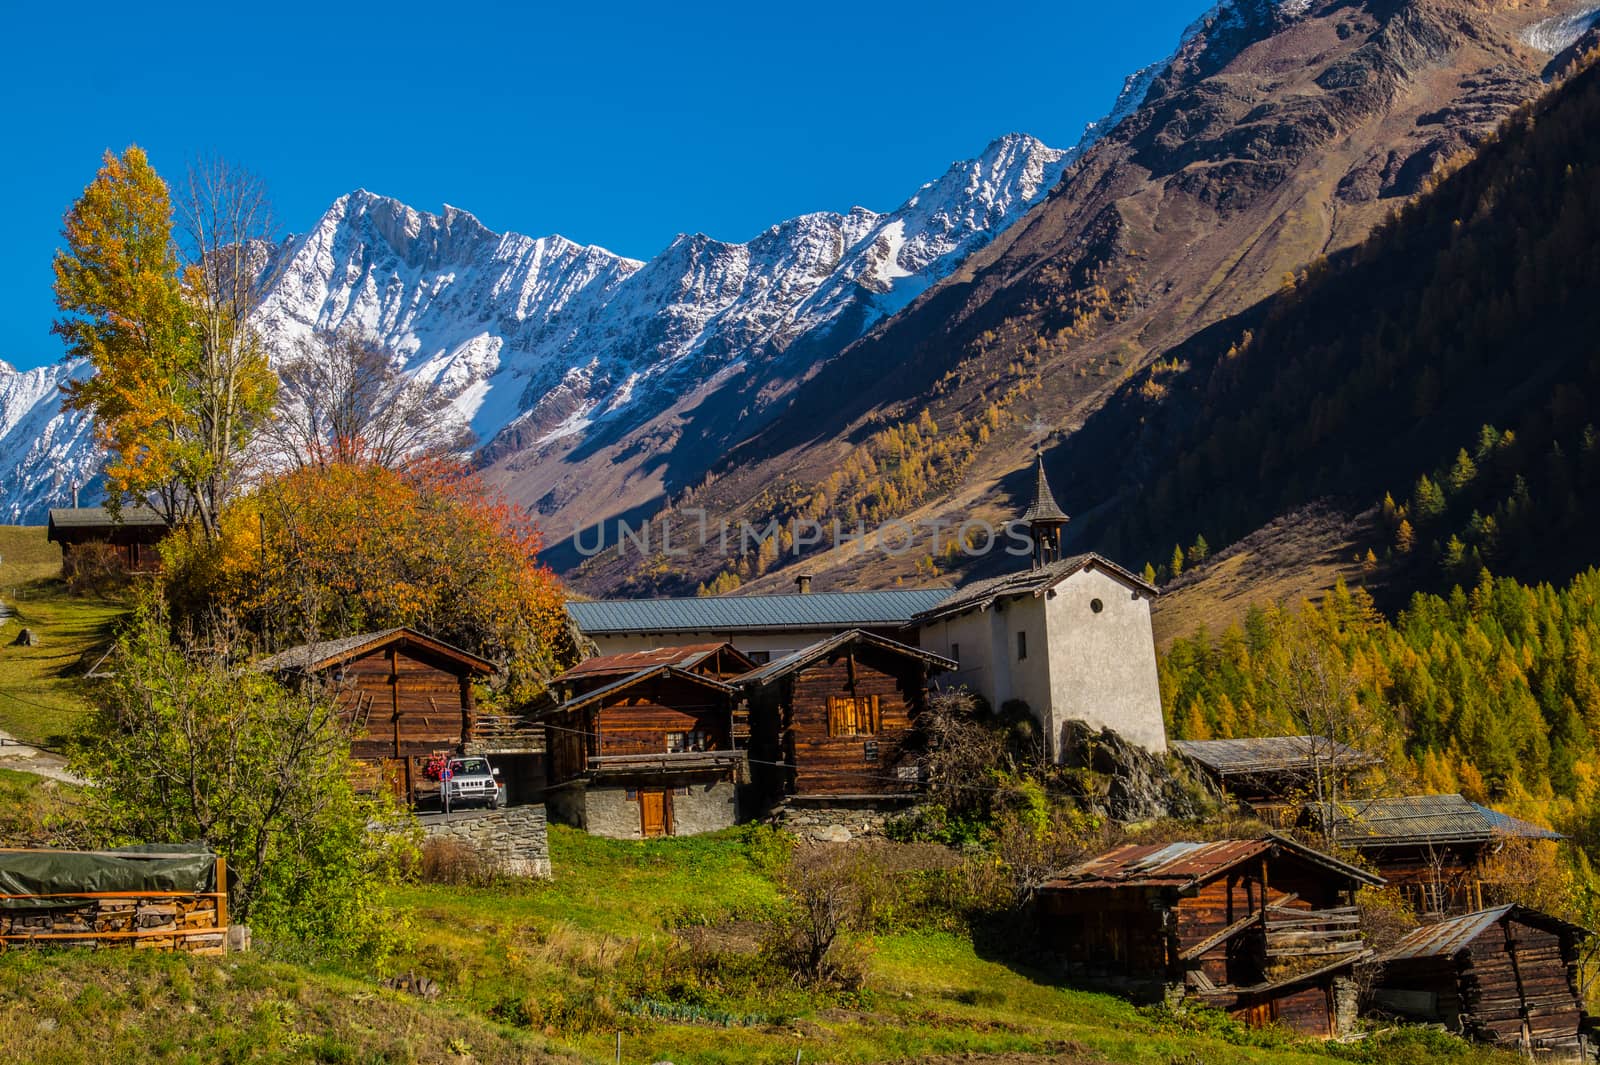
<point>1270,754</point>
<point>1410,820</point>
<point>1185,864</point>
<point>321,654</point>
<point>982,594</point>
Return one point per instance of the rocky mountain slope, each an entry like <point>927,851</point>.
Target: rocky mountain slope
<point>1278,135</point>
<point>546,347</point>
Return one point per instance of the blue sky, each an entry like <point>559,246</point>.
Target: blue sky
<point>616,124</point>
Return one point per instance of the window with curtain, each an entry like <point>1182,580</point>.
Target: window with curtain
<point>852,716</point>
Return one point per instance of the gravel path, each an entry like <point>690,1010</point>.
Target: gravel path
<point>14,754</point>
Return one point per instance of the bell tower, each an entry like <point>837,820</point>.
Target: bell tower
<point>1045,520</point>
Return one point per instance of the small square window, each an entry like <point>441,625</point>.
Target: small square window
<point>1022,646</point>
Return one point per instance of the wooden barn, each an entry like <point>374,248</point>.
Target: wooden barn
<point>1432,847</point>
<point>836,720</point>
<point>133,534</point>
<point>642,744</point>
<point>1264,928</point>
<point>1507,976</point>
<point>1276,775</point>
<point>408,698</point>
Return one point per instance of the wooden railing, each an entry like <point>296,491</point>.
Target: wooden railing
<point>665,762</point>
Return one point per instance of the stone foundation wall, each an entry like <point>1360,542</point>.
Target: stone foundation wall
<point>707,807</point>
<point>837,823</point>
<point>516,838</point>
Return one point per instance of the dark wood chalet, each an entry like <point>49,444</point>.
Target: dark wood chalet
<point>408,698</point>
<point>133,534</point>
<point>649,753</point>
<point>836,720</point>
<point>1507,976</point>
<point>1264,928</point>
<point>1432,847</point>
<point>1276,775</point>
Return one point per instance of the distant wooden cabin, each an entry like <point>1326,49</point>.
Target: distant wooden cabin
<point>836,720</point>
<point>1432,847</point>
<point>133,534</point>
<point>1275,775</point>
<point>644,744</point>
<point>1507,976</point>
<point>1264,928</point>
<point>407,697</point>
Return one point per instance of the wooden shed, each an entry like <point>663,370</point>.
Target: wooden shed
<point>1276,775</point>
<point>408,697</point>
<point>1507,976</point>
<point>1265,928</point>
<point>836,720</point>
<point>133,533</point>
<point>1432,847</point>
<point>649,753</point>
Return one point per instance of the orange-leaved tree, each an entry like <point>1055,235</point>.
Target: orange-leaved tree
<point>181,382</point>
<point>327,551</point>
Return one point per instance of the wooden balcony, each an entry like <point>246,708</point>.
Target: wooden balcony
<point>664,763</point>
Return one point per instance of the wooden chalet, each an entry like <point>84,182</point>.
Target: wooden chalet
<point>835,721</point>
<point>133,533</point>
<point>1275,775</point>
<point>1507,976</point>
<point>644,744</point>
<point>1432,847</point>
<point>408,698</point>
<point>1265,928</point>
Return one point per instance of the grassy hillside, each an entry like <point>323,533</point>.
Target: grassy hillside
<point>41,687</point>
<point>543,972</point>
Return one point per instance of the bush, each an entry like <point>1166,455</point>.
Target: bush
<point>185,746</point>
<point>95,568</point>
<point>453,862</point>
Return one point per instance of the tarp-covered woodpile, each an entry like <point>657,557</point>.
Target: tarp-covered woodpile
<point>1507,976</point>
<point>1265,928</point>
<point>154,899</point>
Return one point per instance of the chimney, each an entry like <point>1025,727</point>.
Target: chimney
<point>74,495</point>
<point>802,584</point>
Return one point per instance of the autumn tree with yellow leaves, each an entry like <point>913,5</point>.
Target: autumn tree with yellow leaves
<point>157,299</point>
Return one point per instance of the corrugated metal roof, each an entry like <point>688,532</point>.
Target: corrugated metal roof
<point>1267,754</point>
<point>1188,863</point>
<point>685,657</point>
<point>754,613</point>
<point>1422,819</point>
<point>1455,934</point>
<point>806,655</point>
<point>982,594</point>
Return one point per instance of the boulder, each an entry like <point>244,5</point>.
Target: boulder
<point>26,638</point>
<point>1125,782</point>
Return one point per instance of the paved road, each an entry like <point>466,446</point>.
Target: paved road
<point>14,754</point>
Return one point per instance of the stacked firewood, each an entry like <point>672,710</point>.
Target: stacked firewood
<point>145,922</point>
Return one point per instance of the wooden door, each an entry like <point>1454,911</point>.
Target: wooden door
<point>655,813</point>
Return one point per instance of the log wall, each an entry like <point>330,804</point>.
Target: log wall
<point>825,764</point>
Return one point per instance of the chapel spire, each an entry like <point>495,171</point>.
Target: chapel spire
<point>1045,520</point>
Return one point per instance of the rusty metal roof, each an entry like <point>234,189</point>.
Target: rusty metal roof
<point>599,694</point>
<point>1187,864</point>
<point>779,667</point>
<point>1270,754</point>
<point>1410,820</point>
<point>1453,935</point>
<point>628,662</point>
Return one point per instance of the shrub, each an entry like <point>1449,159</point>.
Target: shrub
<point>451,861</point>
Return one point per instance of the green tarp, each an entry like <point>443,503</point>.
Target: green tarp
<point>46,872</point>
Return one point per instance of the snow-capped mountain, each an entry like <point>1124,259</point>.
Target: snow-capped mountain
<point>45,452</point>
<point>558,337</point>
